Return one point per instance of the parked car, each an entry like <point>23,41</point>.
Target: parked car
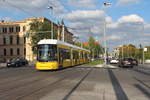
<point>23,61</point>
<point>114,61</point>
<point>17,62</point>
<point>126,62</point>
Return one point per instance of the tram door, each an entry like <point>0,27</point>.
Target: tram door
<point>60,58</point>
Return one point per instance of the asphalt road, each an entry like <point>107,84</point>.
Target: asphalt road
<point>76,83</point>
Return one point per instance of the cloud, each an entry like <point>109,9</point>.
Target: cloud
<point>6,19</point>
<point>84,15</point>
<point>131,19</point>
<point>113,37</point>
<point>32,7</point>
<point>82,3</point>
<point>127,2</point>
<point>87,23</point>
<point>127,29</point>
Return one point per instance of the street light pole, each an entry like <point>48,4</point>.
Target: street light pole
<point>122,52</point>
<point>63,33</point>
<point>143,44</point>
<point>106,4</point>
<point>52,34</point>
<point>105,59</point>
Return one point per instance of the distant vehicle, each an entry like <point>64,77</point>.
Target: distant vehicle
<point>147,61</point>
<point>114,61</point>
<point>17,62</point>
<point>135,62</point>
<point>126,62</point>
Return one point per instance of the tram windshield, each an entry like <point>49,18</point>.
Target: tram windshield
<point>47,53</point>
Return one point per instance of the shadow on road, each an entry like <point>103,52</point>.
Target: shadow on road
<point>142,72</point>
<point>144,91</point>
<point>76,86</point>
<point>120,94</point>
<point>140,81</point>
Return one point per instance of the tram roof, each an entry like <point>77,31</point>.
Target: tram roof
<point>54,41</point>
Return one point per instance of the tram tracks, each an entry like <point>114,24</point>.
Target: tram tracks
<point>58,85</point>
<point>25,79</point>
<point>35,85</point>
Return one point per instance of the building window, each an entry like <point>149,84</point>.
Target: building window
<point>11,29</point>
<point>17,29</point>
<point>18,39</point>
<point>5,53</point>
<point>24,40</point>
<point>0,30</point>
<point>24,28</point>
<point>4,40</point>
<point>18,51</point>
<point>24,51</point>
<point>11,39</point>
<point>11,51</point>
<point>4,30</point>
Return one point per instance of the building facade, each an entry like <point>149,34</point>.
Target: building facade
<point>15,44</point>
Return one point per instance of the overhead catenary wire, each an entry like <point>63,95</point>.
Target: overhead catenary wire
<point>18,8</point>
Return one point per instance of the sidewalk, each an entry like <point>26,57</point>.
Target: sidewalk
<point>147,65</point>
<point>100,65</point>
<point>107,66</point>
<point>2,65</point>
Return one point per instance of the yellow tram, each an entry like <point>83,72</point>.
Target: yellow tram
<point>54,54</point>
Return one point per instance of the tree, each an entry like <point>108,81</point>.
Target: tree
<point>94,47</point>
<point>91,44</point>
<point>78,44</point>
<point>38,31</point>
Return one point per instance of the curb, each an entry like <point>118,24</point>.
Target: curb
<point>100,65</point>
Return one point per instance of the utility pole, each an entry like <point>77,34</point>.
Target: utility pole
<point>52,34</point>
<point>143,44</point>
<point>106,4</point>
<point>122,52</point>
<point>143,55</point>
<point>63,32</point>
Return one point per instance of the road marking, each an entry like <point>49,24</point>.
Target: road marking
<point>107,66</point>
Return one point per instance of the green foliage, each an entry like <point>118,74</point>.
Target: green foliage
<point>94,47</point>
<point>38,31</point>
<point>91,43</point>
<point>95,62</point>
<point>78,44</point>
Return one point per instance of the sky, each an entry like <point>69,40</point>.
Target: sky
<point>127,21</point>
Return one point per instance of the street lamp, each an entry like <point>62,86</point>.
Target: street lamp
<point>106,4</point>
<point>143,44</point>
<point>142,32</point>
<point>52,34</point>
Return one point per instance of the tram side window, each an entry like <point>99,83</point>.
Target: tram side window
<point>81,55</point>
<point>75,55</point>
<point>86,55</point>
<point>65,53</point>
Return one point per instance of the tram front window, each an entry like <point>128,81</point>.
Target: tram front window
<point>47,53</point>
